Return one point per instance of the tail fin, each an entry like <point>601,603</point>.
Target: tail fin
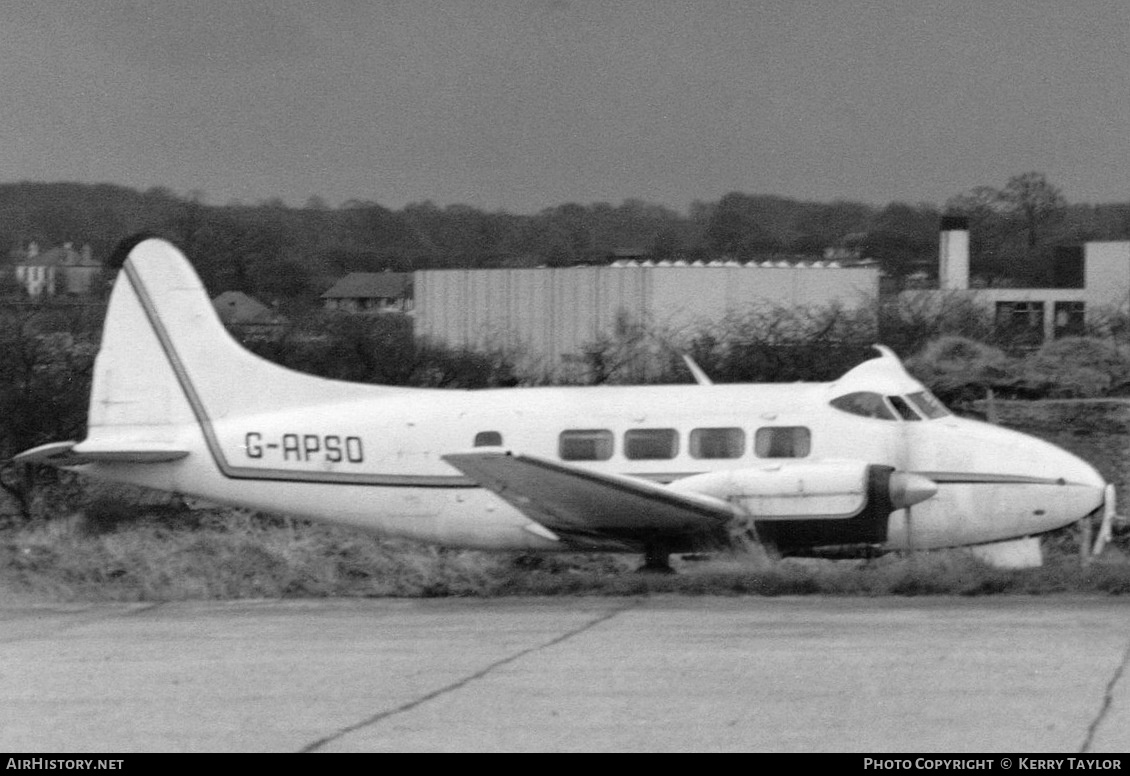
<point>166,359</point>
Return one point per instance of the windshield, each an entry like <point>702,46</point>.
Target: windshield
<point>913,406</point>
<point>903,408</point>
<point>928,405</point>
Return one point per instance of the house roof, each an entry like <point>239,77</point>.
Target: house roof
<point>371,285</point>
<point>238,307</point>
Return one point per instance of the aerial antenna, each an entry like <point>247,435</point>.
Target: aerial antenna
<point>697,372</point>
<point>700,376</point>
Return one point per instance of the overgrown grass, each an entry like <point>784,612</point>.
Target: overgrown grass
<point>224,554</point>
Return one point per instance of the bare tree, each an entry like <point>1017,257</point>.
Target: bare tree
<point>1034,202</point>
<point>46,358</point>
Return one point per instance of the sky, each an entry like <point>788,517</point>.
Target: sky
<point>520,105</point>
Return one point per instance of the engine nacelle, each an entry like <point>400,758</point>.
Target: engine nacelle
<point>813,503</point>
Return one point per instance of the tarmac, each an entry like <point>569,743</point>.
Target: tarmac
<point>798,674</point>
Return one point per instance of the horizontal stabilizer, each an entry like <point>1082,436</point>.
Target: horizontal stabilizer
<point>568,500</point>
<point>70,454</point>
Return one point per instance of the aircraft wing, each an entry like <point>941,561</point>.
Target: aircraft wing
<point>572,501</point>
<point>64,454</point>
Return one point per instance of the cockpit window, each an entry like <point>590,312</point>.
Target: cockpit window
<point>903,408</point>
<point>928,405</point>
<point>865,404</point>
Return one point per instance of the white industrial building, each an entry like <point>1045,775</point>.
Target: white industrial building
<point>547,316</point>
<point>1093,282</point>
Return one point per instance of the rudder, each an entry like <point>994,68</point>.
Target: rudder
<point>167,360</point>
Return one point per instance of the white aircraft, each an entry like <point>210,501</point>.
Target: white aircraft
<point>869,463</point>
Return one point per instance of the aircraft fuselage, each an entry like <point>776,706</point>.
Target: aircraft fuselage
<point>870,459</point>
<point>377,464</point>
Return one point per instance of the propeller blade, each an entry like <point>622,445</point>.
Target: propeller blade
<point>1106,527</point>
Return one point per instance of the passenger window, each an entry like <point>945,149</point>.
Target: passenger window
<point>903,408</point>
<point>585,445</point>
<point>717,443</point>
<point>651,443</point>
<point>488,439</point>
<point>782,442</point>
<point>864,404</point>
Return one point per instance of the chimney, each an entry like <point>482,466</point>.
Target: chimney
<point>953,254</point>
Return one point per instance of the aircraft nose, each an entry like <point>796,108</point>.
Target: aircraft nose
<point>1076,473</point>
<point>1064,490</point>
<point>1011,451</point>
<point>1061,486</point>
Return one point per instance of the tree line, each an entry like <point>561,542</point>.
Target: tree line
<point>290,255</point>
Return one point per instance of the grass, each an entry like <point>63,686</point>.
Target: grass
<point>225,554</point>
<point>168,555</point>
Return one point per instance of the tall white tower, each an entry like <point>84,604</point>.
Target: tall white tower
<point>953,254</point>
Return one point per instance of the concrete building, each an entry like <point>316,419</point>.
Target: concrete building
<point>547,316</point>
<point>1093,281</point>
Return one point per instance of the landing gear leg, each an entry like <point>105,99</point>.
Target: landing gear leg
<point>656,560</point>
<point>1086,540</point>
